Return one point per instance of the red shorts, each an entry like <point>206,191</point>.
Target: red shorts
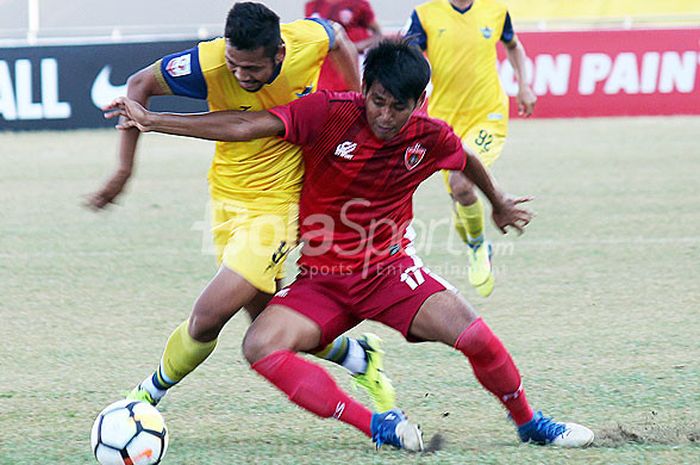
<point>390,294</point>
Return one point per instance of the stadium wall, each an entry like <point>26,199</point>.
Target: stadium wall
<point>575,74</point>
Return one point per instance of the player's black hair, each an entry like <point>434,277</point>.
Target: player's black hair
<point>252,25</point>
<point>399,67</point>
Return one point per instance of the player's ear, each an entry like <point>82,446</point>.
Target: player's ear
<point>281,53</point>
<point>421,100</point>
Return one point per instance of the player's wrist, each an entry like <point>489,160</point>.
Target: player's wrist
<point>150,121</point>
<point>499,201</point>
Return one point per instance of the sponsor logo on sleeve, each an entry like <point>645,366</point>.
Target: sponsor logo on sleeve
<point>180,66</point>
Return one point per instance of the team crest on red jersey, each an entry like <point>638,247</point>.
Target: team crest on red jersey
<point>414,155</point>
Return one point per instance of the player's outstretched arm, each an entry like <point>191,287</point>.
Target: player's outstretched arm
<point>507,211</point>
<point>344,54</point>
<point>227,126</point>
<point>140,87</point>
<point>517,57</point>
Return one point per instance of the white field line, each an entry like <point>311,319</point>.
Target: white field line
<point>498,245</point>
<point>638,240</point>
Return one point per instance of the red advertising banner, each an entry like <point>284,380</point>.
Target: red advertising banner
<point>611,73</point>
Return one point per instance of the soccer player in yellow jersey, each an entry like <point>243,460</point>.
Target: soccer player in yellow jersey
<point>254,185</point>
<point>459,38</point>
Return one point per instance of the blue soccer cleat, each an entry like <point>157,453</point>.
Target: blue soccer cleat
<point>394,429</point>
<point>545,431</point>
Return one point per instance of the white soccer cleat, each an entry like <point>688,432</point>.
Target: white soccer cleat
<point>410,435</point>
<point>392,428</point>
<point>574,435</point>
<point>545,431</point>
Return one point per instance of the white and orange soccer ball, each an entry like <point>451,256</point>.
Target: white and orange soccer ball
<point>129,432</point>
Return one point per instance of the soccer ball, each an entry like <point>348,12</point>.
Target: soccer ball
<point>129,432</point>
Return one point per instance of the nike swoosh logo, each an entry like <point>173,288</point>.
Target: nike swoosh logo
<point>103,92</point>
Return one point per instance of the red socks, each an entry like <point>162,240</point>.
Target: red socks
<point>494,368</point>
<point>312,388</point>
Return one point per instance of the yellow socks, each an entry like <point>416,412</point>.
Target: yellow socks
<point>182,355</point>
<point>469,221</point>
<point>346,352</point>
<point>336,351</point>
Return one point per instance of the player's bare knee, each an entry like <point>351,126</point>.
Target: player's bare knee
<point>467,314</point>
<point>259,342</point>
<point>443,317</point>
<point>205,322</point>
<point>201,329</point>
<point>462,190</point>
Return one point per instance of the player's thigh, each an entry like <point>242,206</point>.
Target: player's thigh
<point>223,296</point>
<point>322,299</point>
<point>280,328</point>
<point>258,303</point>
<point>442,317</point>
<point>258,247</point>
<point>399,293</point>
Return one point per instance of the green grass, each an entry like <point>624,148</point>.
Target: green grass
<point>599,302</point>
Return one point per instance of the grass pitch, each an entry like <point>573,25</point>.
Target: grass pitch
<point>599,302</point>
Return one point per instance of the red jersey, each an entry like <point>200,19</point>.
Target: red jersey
<point>355,16</point>
<point>356,200</point>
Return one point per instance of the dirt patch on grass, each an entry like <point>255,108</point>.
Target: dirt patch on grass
<point>652,430</point>
<point>436,443</point>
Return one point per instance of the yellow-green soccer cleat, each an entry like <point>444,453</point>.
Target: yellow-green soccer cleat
<point>139,393</point>
<point>373,380</point>
<point>480,270</point>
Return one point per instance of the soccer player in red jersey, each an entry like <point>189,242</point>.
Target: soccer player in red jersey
<point>365,155</point>
<point>361,26</point>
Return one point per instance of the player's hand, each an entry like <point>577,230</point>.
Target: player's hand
<point>131,114</point>
<point>106,195</point>
<point>526,101</point>
<point>510,213</point>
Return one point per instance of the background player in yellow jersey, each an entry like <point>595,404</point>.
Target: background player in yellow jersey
<point>459,38</point>
<point>254,185</point>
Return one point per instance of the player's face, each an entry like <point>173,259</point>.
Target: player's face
<point>386,115</point>
<point>252,68</point>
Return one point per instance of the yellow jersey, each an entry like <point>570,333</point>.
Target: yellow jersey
<point>267,173</point>
<point>461,48</point>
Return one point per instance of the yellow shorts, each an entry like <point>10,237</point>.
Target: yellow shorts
<point>254,243</point>
<point>486,140</point>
